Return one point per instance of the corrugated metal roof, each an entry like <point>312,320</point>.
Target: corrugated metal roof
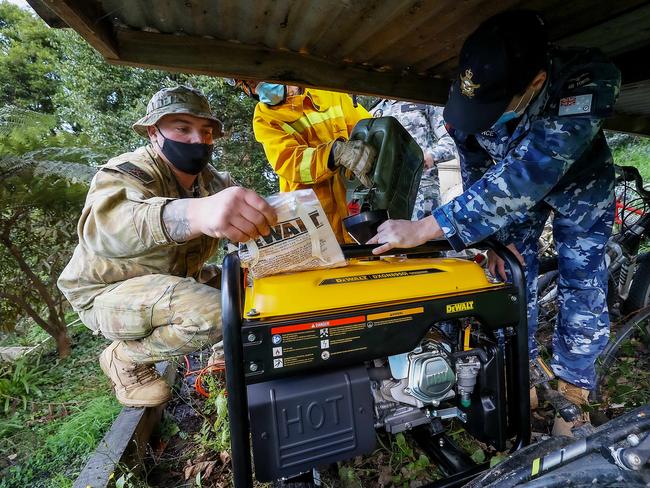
<point>403,49</point>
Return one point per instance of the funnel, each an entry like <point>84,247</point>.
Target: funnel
<point>363,226</point>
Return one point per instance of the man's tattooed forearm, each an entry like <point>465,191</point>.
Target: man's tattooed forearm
<point>176,220</point>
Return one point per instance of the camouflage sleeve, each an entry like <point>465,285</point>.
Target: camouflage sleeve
<point>444,148</point>
<point>508,189</point>
<point>121,218</point>
<point>474,160</point>
<point>230,181</point>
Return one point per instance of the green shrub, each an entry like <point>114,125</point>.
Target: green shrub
<point>21,381</point>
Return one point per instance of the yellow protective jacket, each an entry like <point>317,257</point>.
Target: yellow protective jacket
<point>298,136</point>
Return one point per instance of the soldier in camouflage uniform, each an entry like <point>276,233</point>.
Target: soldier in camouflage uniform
<point>427,127</point>
<point>151,220</point>
<point>527,120</point>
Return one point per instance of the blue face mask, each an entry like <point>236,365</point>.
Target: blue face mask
<point>507,117</point>
<point>517,112</point>
<point>271,93</point>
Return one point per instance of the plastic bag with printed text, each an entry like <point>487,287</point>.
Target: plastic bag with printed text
<point>301,240</point>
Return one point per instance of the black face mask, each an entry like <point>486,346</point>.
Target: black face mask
<point>190,158</point>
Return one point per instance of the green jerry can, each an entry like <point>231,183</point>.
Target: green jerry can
<point>396,176</point>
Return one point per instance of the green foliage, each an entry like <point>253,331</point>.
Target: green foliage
<point>130,479</point>
<point>71,441</point>
<point>628,379</point>
<point>632,151</point>
<point>215,432</point>
<point>28,60</point>
<point>84,428</point>
<point>168,427</point>
<point>43,186</point>
<point>494,460</point>
<point>349,477</point>
<point>406,465</point>
<point>20,380</point>
<point>98,102</point>
<point>101,100</point>
<point>478,456</point>
<point>54,436</point>
<point>9,426</point>
<point>36,234</point>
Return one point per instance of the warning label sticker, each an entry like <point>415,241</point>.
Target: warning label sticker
<point>305,343</point>
<point>395,313</point>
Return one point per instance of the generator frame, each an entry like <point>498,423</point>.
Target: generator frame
<point>232,303</point>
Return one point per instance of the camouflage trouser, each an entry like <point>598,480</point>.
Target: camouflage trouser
<point>158,316</point>
<point>428,196</point>
<point>582,327</point>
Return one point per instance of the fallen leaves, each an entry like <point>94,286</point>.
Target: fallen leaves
<point>206,467</point>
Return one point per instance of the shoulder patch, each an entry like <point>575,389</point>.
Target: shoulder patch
<point>579,104</point>
<point>133,170</point>
<point>579,80</point>
<point>410,107</point>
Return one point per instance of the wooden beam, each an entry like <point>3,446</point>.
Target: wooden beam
<point>631,124</point>
<point>89,21</point>
<point>45,13</point>
<point>632,65</point>
<point>228,59</point>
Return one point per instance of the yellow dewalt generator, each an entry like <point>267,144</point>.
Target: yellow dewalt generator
<point>318,361</point>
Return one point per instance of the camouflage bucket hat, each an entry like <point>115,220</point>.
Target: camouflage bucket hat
<point>178,100</point>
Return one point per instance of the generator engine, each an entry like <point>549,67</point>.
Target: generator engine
<point>407,385</point>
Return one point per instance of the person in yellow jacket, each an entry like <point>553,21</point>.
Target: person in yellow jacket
<point>305,136</point>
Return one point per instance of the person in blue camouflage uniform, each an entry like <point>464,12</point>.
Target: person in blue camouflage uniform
<point>526,150</point>
<point>427,127</point>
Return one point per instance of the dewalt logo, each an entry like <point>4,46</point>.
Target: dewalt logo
<point>460,307</point>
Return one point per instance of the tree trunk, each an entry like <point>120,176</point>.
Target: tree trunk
<point>55,327</point>
<point>63,343</point>
<point>39,286</point>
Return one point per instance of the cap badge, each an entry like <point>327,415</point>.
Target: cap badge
<point>467,87</point>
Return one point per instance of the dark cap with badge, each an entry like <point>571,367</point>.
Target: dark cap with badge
<point>497,61</point>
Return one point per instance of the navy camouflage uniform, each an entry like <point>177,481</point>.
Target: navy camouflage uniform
<point>553,159</point>
<point>427,127</point>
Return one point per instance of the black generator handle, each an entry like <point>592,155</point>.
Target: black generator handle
<point>351,251</point>
<point>231,323</point>
<point>519,398</point>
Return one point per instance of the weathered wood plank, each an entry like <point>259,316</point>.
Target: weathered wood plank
<point>632,66</point>
<point>91,25</point>
<point>44,12</point>
<point>631,124</point>
<point>212,57</point>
